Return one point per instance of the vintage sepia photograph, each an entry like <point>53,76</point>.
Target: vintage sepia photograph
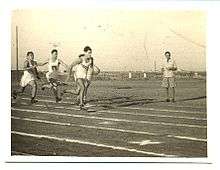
<point>112,82</point>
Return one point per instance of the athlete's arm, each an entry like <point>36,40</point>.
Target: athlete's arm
<point>42,64</point>
<point>174,65</point>
<point>35,63</point>
<point>74,63</point>
<point>63,64</point>
<point>92,61</point>
<point>27,66</point>
<point>96,70</point>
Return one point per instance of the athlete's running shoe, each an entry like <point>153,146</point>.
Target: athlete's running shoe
<point>58,99</point>
<point>33,101</point>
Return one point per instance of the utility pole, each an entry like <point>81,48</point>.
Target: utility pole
<point>17,74</point>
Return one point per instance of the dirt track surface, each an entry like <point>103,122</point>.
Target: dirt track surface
<point>130,119</point>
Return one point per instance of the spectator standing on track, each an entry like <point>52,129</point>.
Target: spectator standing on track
<point>29,77</point>
<point>168,76</point>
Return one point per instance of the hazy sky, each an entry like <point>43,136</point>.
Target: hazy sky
<point>117,37</point>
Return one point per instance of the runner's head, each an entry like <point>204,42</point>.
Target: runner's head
<point>54,53</point>
<point>87,51</point>
<point>167,55</point>
<point>30,55</point>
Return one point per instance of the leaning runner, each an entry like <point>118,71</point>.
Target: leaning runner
<point>83,64</point>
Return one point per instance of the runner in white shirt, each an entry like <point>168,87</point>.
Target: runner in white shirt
<point>168,76</point>
<point>53,74</point>
<point>83,74</point>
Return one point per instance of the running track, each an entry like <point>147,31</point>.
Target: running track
<point>154,130</point>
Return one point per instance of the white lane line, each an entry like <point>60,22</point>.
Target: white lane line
<point>86,126</point>
<point>108,119</point>
<point>106,123</point>
<point>105,128</point>
<point>127,113</point>
<point>177,106</point>
<point>91,143</point>
<point>51,97</point>
<point>132,108</point>
<point>41,121</point>
<point>188,138</point>
<point>124,113</point>
<point>144,142</point>
<point>192,107</point>
<point>151,115</point>
<point>163,110</point>
<point>21,153</point>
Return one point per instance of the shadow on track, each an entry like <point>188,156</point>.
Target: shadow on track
<point>128,101</point>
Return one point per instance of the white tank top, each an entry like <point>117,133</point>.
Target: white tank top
<point>86,62</point>
<point>52,66</point>
<point>82,68</point>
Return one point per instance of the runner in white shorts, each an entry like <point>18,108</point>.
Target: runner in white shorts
<point>29,77</point>
<point>83,74</point>
<point>92,70</point>
<point>53,74</point>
